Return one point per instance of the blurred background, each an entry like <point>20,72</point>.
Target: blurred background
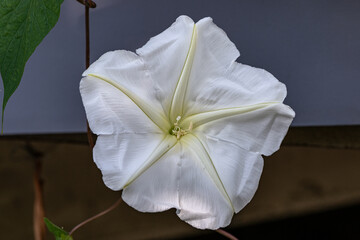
<point>310,188</point>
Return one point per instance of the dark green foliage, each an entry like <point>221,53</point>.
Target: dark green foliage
<point>23,25</point>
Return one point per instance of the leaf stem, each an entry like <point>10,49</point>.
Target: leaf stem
<point>226,234</point>
<point>112,207</point>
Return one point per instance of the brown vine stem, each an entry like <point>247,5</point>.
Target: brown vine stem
<point>88,3</point>
<point>226,234</point>
<point>39,212</point>
<point>38,209</point>
<point>112,207</point>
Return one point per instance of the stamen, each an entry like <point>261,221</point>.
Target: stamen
<point>177,131</point>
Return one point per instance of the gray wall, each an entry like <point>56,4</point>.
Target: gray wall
<point>311,46</point>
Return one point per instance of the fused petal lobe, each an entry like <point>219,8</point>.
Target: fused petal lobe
<point>120,156</point>
<point>261,130</point>
<point>202,203</point>
<point>204,117</point>
<point>164,56</point>
<point>157,188</point>
<point>236,86</point>
<point>193,144</point>
<point>178,99</point>
<point>238,169</point>
<point>110,111</point>
<point>178,180</point>
<point>214,54</point>
<point>124,157</point>
<point>126,72</point>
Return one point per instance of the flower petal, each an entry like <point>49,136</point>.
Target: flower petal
<point>123,157</point>
<point>199,119</point>
<point>165,55</point>
<point>217,81</point>
<point>157,188</point>
<point>203,203</point>
<point>214,51</point>
<point>126,72</point>
<point>192,143</point>
<point>110,111</point>
<point>181,179</point>
<point>213,56</point>
<point>260,130</point>
<point>238,169</point>
<point>178,99</point>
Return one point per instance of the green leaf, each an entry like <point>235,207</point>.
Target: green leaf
<point>23,25</point>
<point>58,232</point>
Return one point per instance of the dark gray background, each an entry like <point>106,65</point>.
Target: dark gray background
<point>311,46</point>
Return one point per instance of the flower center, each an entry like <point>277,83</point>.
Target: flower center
<point>177,131</point>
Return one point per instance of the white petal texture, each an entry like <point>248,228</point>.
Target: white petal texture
<point>165,55</point>
<point>182,125</point>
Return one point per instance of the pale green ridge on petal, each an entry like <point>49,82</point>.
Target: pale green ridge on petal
<point>105,108</point>
<point>156,189</point>
<point>166,144</point>
<point>193,143</point>
<point>164,56</point>
<point>260,131</point>
<point>238,168</point>
<point>177,102</point>
<point>119,156</point>
<point>156,116</point>
<point>202,118</point>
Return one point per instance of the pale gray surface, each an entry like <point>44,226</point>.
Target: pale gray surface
<point>311,46</point>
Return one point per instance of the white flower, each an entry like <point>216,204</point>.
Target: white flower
<point>182,125</point>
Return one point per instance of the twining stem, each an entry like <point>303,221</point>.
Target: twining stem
<point>38,208</point>
<point>39,212</point>
<point>90,136</point>
<point>96,216</point>
<point>87,61</point>
<point>87,37</point>
<point>226,234</point>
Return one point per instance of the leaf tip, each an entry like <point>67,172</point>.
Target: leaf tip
<point>59,233</point>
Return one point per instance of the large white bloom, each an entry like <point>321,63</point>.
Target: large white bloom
<point>182,125</point>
